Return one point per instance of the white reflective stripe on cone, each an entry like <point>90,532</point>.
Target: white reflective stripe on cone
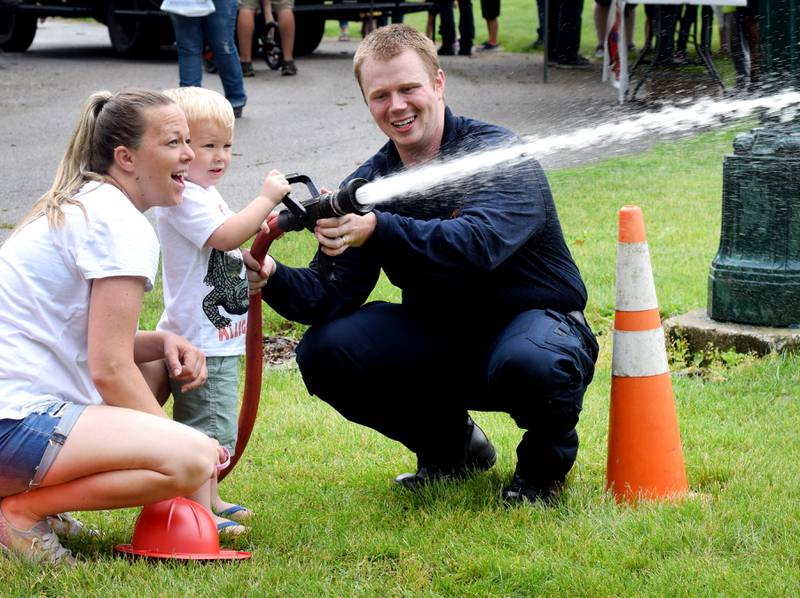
<point>636,290</point>
<point>642,353</point>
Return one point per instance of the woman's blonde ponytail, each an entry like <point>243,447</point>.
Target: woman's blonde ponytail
<point>107,121</point>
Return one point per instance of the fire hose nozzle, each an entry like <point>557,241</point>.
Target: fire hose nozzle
<point>344,201</point>
<point>304,214</point>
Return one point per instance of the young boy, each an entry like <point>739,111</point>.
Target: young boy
<point>205,287</point>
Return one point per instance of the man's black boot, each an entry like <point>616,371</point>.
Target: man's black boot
<point>525,491</point>
<point>479,455</point>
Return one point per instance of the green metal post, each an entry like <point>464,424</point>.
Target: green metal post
<point>755,276</point>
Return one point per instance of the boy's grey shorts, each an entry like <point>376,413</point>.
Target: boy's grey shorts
<point>213,408</point>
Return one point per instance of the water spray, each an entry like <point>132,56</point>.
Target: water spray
<point>703,113</point>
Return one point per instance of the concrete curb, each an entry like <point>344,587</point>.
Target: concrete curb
<point>699,331</point>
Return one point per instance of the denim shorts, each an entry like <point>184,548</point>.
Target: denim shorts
<point>213,408</point>
<point>29,446</point>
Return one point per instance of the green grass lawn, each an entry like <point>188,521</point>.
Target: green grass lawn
<point>330,522</point>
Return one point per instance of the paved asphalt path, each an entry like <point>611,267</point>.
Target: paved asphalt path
<point>315,123</point>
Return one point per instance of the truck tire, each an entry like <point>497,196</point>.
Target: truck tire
<point>130,36</point>
<point>309,30</point>
<point>17,32</point>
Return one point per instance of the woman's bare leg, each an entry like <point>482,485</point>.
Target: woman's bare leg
<point>116,458</point>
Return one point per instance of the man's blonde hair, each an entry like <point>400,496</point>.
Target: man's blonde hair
<point>203,105</point>
<point>389,42</point>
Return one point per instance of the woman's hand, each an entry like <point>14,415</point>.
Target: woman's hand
<point>335,235</point>
<point>258,274</point>
<point>185,362</point>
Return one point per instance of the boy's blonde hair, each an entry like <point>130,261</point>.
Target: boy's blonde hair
<point>203,105</point>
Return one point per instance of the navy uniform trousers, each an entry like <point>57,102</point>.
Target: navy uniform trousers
<point>413,379</point>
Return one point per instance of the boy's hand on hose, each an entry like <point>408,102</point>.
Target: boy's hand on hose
<point>275,187</point>
<point>246,222</point>
<point>258,274</point>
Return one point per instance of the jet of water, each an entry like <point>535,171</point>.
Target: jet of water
<point>703,113</point>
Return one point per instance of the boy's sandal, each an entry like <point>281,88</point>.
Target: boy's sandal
<point>228,528</point>
<point>235,513</point>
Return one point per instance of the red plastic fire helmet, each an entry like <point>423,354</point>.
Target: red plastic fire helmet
<point>177,528</point>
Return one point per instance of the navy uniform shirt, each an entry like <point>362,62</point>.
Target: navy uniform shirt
<point>487,244</point>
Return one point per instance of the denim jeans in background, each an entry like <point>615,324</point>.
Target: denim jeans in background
<point>216,30</point>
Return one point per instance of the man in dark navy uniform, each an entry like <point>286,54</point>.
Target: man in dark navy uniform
<point>491,313</point>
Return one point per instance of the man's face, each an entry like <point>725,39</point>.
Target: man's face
<point>406,104</point>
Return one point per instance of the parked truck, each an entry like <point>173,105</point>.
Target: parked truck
<point>139,27</point>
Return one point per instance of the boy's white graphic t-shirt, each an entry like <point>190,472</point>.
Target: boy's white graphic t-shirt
<point>205,290</point>
<point>45,286</point>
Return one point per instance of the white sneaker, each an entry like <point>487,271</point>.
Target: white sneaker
<point>65,525</point>
<point>38,543</point>
<point>599,52</point>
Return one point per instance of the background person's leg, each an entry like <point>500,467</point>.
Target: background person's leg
<point>537,43</point>
<point>666,33</point>
<point>600,14</point>
<point>466,27</point>
<point>686,17</point>
<point>630,25</point>
<point>447,26</point>
<point>189,40</point>
<point>286,26</point>
<point>219,28</point>
<point>569,31</point>
<point>554,21</point>
<point>245,26</point>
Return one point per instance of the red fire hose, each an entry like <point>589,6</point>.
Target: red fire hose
<point>254,357</point>
<point>296,217</point>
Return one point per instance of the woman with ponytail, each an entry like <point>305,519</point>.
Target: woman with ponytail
<point>80,427</point>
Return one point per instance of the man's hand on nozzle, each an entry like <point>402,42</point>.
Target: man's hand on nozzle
<point>275,187</point>
<point>335,235</point>
<point>258,274</point>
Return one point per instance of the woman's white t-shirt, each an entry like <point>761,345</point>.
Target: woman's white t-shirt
<point>205,290</point>
<point>45,285</point>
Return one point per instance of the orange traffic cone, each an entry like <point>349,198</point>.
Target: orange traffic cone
<point>644,445</point>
